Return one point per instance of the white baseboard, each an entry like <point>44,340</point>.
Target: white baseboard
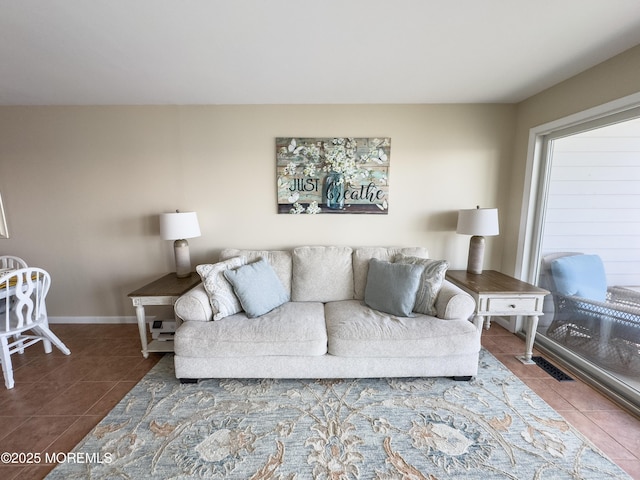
<point>97,320</point>
<point>511,324</point>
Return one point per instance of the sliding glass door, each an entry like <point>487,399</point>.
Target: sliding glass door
<point>587,205</point>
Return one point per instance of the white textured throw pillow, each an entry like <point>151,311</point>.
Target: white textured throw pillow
<point>221,295</point>
<point>430,282</point>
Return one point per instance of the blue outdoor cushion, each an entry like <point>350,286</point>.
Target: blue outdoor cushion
<point>580,275</point>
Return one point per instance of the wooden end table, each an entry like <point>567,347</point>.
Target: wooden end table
<point>497,294</point>
<point>163,291</point>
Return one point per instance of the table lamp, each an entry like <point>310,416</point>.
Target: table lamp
<point>179,226</point>
<point>479,222</point>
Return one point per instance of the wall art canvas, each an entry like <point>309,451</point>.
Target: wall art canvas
<point>333,175</point>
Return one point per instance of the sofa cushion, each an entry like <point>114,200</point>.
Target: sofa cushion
<point>356,330</point>
<point>221,296</point>
<point>293,329</point>
<point>392,287</point>
<point>257,287</point>
<point>322,274</point>
<point>433,275</point>
<point>280,260</point>
<point>362,255</point>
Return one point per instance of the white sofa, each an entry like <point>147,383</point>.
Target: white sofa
<point>326,330</point>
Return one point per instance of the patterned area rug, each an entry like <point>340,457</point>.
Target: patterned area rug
<point>424,428</point>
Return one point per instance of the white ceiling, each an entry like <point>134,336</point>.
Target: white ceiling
<point>79,52</point>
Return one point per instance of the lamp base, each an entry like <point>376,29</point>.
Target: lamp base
<point>183,260</point>
<point>476,254</point>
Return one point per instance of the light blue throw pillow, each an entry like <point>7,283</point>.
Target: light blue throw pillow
<point>258,288</point>
<point>392,287</point>
<point>580,275</point>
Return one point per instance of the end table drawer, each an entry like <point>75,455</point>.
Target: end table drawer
<point>512,304</point>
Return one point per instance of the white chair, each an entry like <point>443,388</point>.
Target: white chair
<point>24,321</point>
<point>11,262</point>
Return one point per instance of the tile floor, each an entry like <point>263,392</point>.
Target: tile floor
<point>610,428</point>
<point>58,400</point>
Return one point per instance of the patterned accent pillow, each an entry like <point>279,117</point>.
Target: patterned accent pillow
<point>221,295</point>
<point>430,282</point>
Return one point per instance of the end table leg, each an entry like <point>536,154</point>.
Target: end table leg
<point>531,327</point>
<point>142,327</point>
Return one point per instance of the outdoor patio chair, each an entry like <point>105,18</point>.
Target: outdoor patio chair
<point>599,322</point>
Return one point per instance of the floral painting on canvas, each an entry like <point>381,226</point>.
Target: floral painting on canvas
<point>333,175</point>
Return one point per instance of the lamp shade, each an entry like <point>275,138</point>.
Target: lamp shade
<point>478,221</point>
<point>179,225</point>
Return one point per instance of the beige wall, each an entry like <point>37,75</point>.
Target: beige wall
<point>83,186</point>
<point>611,80</point>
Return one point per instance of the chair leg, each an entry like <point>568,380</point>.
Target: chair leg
<point>45,341</point>
<point>49,338</point>
<point>16,338</point>
<point>7,367</point>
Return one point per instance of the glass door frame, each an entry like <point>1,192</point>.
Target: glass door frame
<point>538,171</point>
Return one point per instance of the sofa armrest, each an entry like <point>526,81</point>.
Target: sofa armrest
<point>194,305</point>
<point>454,303</point>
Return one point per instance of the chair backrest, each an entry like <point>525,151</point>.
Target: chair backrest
<point>23,293</point>
<point>11,262</point>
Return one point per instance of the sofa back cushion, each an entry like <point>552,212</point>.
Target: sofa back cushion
<point>280,261</point>
<point>362,256</point>
<point>322,274</point>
